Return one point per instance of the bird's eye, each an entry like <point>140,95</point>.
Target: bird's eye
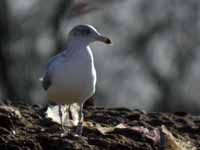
<point>81,31</point>
<point>87,31</point>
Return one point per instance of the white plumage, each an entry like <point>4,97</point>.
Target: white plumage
<point>73,80</point>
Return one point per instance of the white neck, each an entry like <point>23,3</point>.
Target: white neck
<point>74,46</point>
<point>77,43</point>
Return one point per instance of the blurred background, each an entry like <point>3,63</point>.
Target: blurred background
<point>153,64</point>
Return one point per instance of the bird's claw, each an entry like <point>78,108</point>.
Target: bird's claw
<point>79,129</point>
<point>65,132</point>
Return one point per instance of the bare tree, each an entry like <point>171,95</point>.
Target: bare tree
<point>8,90</point>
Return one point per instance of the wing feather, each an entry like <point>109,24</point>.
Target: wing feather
<point>46,81</point>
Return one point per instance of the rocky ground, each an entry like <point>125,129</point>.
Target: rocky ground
<point>25,127</point>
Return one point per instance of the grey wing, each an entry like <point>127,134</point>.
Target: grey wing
<point>46,81</point>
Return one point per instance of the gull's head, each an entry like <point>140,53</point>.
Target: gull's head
<point>86,34</point>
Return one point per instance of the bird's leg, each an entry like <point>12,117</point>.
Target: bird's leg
<point>70,113</point>
<point>79,128</point>
<point>60,115</point>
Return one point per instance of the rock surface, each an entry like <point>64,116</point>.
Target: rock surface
<point>24,127</point>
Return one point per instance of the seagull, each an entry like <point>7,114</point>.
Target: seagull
<point>70,76</point>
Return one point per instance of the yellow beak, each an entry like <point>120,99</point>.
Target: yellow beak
<point>104,39</point>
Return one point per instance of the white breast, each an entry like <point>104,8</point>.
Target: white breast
<point>73,79</point>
